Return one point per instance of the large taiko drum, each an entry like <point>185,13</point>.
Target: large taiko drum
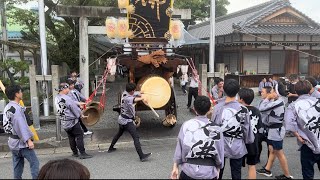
<point>156,89</point>
<point>92,114</point>
<point>95,104</point>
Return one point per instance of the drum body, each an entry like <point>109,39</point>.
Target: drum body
<point>92,116</point>
<point>95,104</point>
<point>156,89</point>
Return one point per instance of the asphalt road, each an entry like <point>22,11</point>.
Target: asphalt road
<point>124,163</point>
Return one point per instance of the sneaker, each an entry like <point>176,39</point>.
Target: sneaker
<point>85,156</point>
<point>264,172</point>
<point>111,149</point>
<point>75,155</point>
<point>87,133</point>
<point>145,157</point>
<point>283,177</point>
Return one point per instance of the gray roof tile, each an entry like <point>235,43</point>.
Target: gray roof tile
<point>278,29</point>
<point>248,18</point>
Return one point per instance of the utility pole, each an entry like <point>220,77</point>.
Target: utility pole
<point>4,28</point>
<point>212,36</point>
<point>44,61</point>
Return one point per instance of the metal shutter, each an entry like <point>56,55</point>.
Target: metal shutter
<point>263,62</point>
<point>277,62</point>
<point>231,59</point>
<point>233,62</point>
<point>249,61</point>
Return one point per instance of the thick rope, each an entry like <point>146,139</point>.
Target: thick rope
<point>102,81</point>
<point>199,82</point>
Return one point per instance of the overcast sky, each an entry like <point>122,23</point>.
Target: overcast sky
<point>309,7</point>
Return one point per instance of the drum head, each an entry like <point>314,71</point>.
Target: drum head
<point>157,90</point>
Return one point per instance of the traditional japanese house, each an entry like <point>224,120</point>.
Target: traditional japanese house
<point>263,40</point>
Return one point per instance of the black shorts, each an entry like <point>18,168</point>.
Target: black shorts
<point>252,156</point>
<point>276,145</point>
<point>251,160</point>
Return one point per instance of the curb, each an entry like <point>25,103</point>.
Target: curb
<point>42,144</point>
<point>57,148</point>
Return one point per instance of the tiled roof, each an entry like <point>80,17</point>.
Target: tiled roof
<point>247,19</point>
<point>282,29</point>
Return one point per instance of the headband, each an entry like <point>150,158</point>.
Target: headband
<point>62,87</point>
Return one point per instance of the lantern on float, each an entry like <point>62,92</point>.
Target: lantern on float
<point>176,29</point>
<point>123,3</point>
<point>122,28</point>
<point>111,27</point>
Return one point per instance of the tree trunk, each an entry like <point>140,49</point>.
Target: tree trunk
<point>21,53</point>
<point>10,76</point>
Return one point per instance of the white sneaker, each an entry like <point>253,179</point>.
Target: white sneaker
<point>87,133</point>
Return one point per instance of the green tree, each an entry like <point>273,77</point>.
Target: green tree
<point>12,68</point>
<point>62,33</point>
<point>200,9</point>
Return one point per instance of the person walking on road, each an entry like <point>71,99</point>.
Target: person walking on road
<point>246,97</point>
<point>193,88</point>
<point>272,110</point>
<point>234,119</point>
<point>126,118</point>
<point>69,113</point>
<point>200,147</point>
<point>20,137</point>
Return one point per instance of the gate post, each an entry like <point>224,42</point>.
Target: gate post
<point>203,78</point>
<point>35,112</point>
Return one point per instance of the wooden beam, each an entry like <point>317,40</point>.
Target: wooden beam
<point>20,44</point>
<point>43,78</point>
<point>97,30</point>
<point>87,11</point>
<point>103,12</point>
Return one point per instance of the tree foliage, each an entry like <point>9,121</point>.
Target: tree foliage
<point>62,33</point>
<point>12,68</point>
<point>200,9</point>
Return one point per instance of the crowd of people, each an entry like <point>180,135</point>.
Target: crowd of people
<point>236,130</point>
<point>69,103</point>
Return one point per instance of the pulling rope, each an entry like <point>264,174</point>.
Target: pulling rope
<point>102,81</point>
<point>103,96</point>
<point>199,82</point>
